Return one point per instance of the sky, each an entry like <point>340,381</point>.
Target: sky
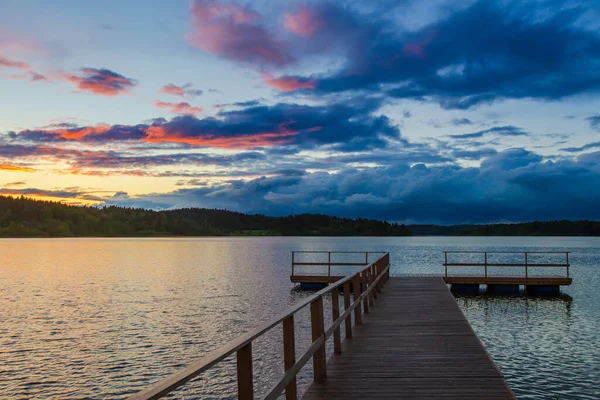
<point>428,111</point>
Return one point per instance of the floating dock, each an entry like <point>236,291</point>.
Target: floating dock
<point>506,272</point>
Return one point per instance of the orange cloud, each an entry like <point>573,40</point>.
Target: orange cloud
<point>179,108</point>
<point>158,134</point>
<point>288,83</point>
<point>15,168</point>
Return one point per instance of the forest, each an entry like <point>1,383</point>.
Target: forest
<point>23,217</point>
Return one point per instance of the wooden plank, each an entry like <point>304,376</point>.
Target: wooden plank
<point>415,343</point>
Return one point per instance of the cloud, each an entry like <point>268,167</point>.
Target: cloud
<point>15,168</point>
<point>507,130</point>
<point>594,121</point>
<point>288,83</point>
<point>9,63</point>
<point>513,185</point>
<point>304,22</point>
<point>530,51</point>
<point>349,125</point>
<point>180,91</point>
<point>582,148</point>
<point>235,32</point>
<point>461,121</point>
<point>100,81</point>
<point>179,108</point>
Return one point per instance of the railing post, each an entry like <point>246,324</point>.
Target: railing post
<point>373,275</point>
<point>567,258</point>
<point>329,268</point>
<point>356,295</point>
<point>244,373</point>
<point>318,330</point>
<point>365,280</point>
<point>485,262</point>
<point>335,314</point>
<point>446,262</point>
<point>348,323</point>
<point>526,273</point>
<point>292,263</point>
<point>289,355</point>
<point>366,257</point>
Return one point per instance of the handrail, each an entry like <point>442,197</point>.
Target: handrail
<point>329,263</point>
<point>372,278</point>
<point>487,264</point>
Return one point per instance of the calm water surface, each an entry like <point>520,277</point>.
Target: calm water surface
<point>102,318</point>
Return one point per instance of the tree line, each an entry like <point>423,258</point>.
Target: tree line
<point>23,217</point>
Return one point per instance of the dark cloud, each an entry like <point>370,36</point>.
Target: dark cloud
<point>101,81</point>
<point>507,130</point>
<point>349,125</point>
<point>461,121</point>
<point>513,185</point>
<point>487,51</point>
<point>594,121</point>
<point>582,148</point>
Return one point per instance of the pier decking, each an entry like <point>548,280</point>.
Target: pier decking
<point>415,343</point>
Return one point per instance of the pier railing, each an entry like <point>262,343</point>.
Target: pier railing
<point>526,264</point>
<point>371,280</point>
<point>330,259</point>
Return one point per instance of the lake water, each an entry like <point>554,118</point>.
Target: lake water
<point>102,318</point>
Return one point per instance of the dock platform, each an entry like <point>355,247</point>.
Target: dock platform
<point>414,343</point>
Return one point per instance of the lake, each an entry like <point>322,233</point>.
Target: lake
<point>102,318</point>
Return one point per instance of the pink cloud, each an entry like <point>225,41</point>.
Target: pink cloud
<point>304,22</point>
<point>289,83</point>
<point>235,32</point>
<point>180,91</point>
<point>8,63</point>
<point>179,108</point>
<point>101,81</point>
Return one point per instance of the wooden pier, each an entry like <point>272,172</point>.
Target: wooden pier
<point>409,340</point>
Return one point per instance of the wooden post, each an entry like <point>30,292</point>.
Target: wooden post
<point>356,295</point>
<point>525,265</point>
<point>292,263</point>
<point>485,262</point>
<point>289,355</point>
<point>567,258</point>
<point>446,262</point>
<point>348,322</point>
<point>335,314</point>
<point>365,280</point>
<point>244,373</point>
<point>318,329</point>
<point>375,291</point>
<point>329,268</point>
<point>366,257</point>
